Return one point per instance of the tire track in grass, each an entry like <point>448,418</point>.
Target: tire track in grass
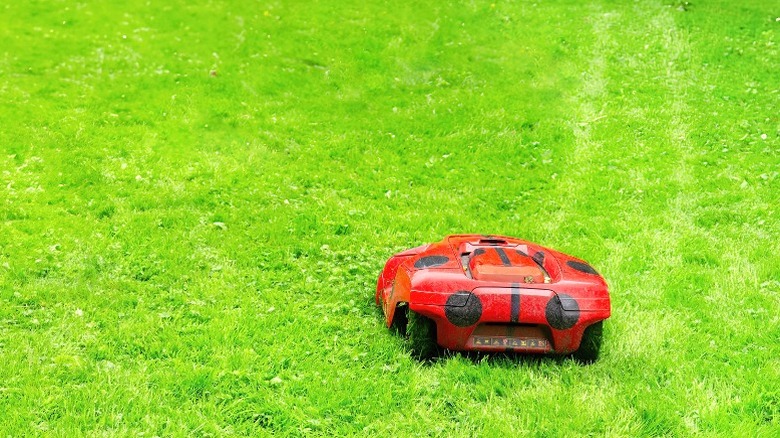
<point>593,91</point>
<point>666,301</point>
<point>588,103</point>
<point>670,154</point>
<point>652,216</point>
<point>598,127</point>
<point>708,351</point>
<point>732,335</point>
<point>577,193</point>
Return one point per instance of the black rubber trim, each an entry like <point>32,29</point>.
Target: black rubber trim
<point>582,267</point>
<point>431,261</point>
<point>463,315</point>
<point>557,316</point>
<point>514,315</point>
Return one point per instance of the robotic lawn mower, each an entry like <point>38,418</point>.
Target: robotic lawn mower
<point>494,293</point>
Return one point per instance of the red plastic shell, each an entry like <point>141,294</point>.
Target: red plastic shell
<point>496,293</point>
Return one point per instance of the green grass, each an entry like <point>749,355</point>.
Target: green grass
<point>196,199</point>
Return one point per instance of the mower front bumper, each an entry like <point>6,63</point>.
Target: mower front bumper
<point>514,319</point>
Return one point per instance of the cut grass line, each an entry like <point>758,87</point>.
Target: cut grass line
<point>590,99</point>
<point>676,45</point>
<point>593,89</point>
<point>588,102</point>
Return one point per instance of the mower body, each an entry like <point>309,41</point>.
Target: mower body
<point>495,293</point>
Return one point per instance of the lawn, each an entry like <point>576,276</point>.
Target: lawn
<point>196,199</point>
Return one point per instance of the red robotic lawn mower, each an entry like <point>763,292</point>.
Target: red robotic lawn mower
<point>494,293</point>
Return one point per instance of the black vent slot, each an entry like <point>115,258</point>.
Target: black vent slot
<point>492,242</point>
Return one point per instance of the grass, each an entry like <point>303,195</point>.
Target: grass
<point>197,198</point>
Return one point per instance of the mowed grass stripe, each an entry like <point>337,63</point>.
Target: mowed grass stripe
<point>674,250</point>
